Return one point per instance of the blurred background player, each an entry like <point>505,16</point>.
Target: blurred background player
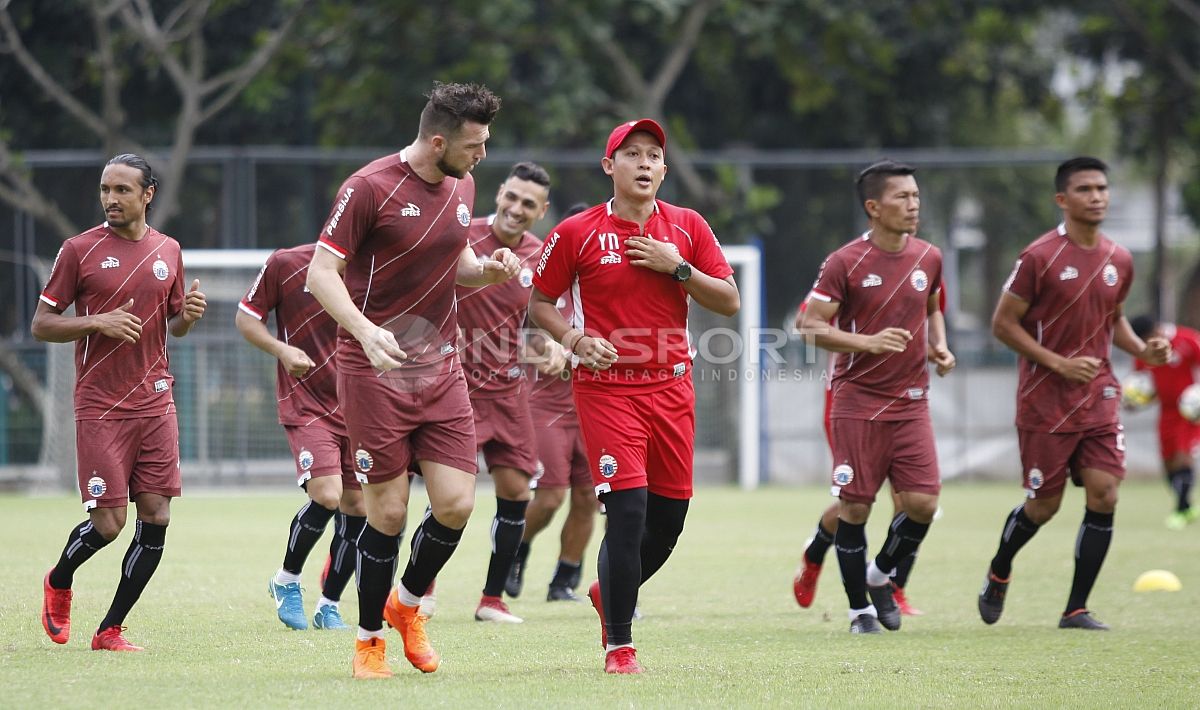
<point>632,263</point>
<point>1178,438</point>
<point>562,464</point>
<point>390,253</point>
<point>126,278</point>
<point>492,320</point>
<point>804,584</point>
<point>306,391</point>
<point>1061,311</point>
<point>877,300</point>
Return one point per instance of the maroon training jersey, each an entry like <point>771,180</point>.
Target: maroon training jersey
<point>401,238</point>
<point>1171,379</point>
<point>551,400</point>
<point>301,322</point>
<point>878,289</point>
<point>1073,295</point>
<point>492,317</point>
<point>643,313</point>
<point>100,271</point>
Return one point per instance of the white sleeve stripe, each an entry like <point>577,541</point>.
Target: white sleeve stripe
<point>249,311</point>
<point>331,250</point>
<point>48,301</point>
<point>820,296</point>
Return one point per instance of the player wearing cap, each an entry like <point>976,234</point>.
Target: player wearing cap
<point>875,304</point>
<point>631,264</point>
<point>492,321</point>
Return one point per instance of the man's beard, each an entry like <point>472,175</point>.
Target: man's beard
<point>448,169</point>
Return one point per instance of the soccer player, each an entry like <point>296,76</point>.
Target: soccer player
<point>875,304</point>
<point>306,391</point>
<point>804,584</point>
<point>1061,311</point>
<point>1178,439</point>
<point>562,465</point>
<point>491,319</point>
<point>126,281</point>
<point>389,255</point>
<point>631,264</point>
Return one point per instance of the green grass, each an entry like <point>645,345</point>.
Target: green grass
<point>721,628</point>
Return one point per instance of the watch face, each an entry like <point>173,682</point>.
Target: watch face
<point>683,272</point>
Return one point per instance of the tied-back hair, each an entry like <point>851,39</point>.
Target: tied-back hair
<point>871,180</point>
<point>1076,165</point>
<point>532,172</point>
<point>452,105</point>
<point>139,164</point>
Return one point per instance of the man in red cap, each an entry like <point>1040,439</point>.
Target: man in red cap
<point>631,264</point>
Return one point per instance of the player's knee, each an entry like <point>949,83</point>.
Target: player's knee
<point>109,526</point>
<point>550,498</point>
<point>1040,511</point>
<point>326,498</point>
<point>1104,501</point>
<point>455,512</point>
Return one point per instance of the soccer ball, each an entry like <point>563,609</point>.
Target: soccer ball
<point>1189,403</point>
<point>1137,390</point>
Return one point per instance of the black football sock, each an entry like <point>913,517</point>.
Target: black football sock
<point>141,559</point>
<point>620,561</point>
<point>1018,530</point>
<point>903,570</point>
<point>850,541</point>
<point>664,523</point>
<point>1181,480</point>
<point>566,574</point>
<point>522,553</point>
<point>507,529</point>
<point>1091,546</point>
<point>904,537</point>
<point>343,554</point>
<point>821,542</point>
<point>306,529</point>
<point>432,546</point>
<point>82,543</point>
<point>377,554</point>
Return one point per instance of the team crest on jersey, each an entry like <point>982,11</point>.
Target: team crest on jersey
<point>843,474</point>
<point>464,215</point>
<point>96,486</point>
<point>1109,275</point>
<point>111,262</point>
<point>608,466</point>
<point>362,459</point>
<point>919,280</point>
<point>161,272</point>
<point>1036,479</point>
<point>305,459</point>
<point>525,278</point>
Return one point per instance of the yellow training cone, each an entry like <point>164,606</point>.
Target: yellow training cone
<point>1157,580</point>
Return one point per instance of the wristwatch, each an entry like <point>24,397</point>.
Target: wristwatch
<point>683,272</point>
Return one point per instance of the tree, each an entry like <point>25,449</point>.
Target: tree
<point>136,44</point>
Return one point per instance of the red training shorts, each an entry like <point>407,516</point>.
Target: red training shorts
<point>866,453</point>
<point>321,452</point>
<point>562,457</point>
<point>1047,459</point>
<point>120,458</point>
<point>640,439</point>
<point>1177,435</point>
<point>392,424</point>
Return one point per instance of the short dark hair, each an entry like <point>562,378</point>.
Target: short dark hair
<point>871,180</point>
<point>575,209</point>
<point>1143,325</point>
<point>531,172</point>
<point>138,163</point>
<point>452,105</point>
<point>1076,165</point>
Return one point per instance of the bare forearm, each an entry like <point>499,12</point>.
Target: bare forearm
<point>255,332</point>
<point>1125,339</point>
<point>327,286</point>
<point>717,295</point>
<point>179,326</point>
<point>937,330</point>
<point>57,328</point>
<point>545,316</point>
<point>1022,343</point>
<point>829,337</point>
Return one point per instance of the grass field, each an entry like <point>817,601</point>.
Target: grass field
<point>721,628</point>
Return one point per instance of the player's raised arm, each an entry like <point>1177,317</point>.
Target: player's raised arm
<point>1006,326</point>
<point>326,285</point>
<point>939,349</point>
<point>816,322</point>
<point>593,352</point>
<point>51,326</point>
<point>1154,350</point>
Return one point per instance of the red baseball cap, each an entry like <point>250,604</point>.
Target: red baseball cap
<point>619,134</point>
